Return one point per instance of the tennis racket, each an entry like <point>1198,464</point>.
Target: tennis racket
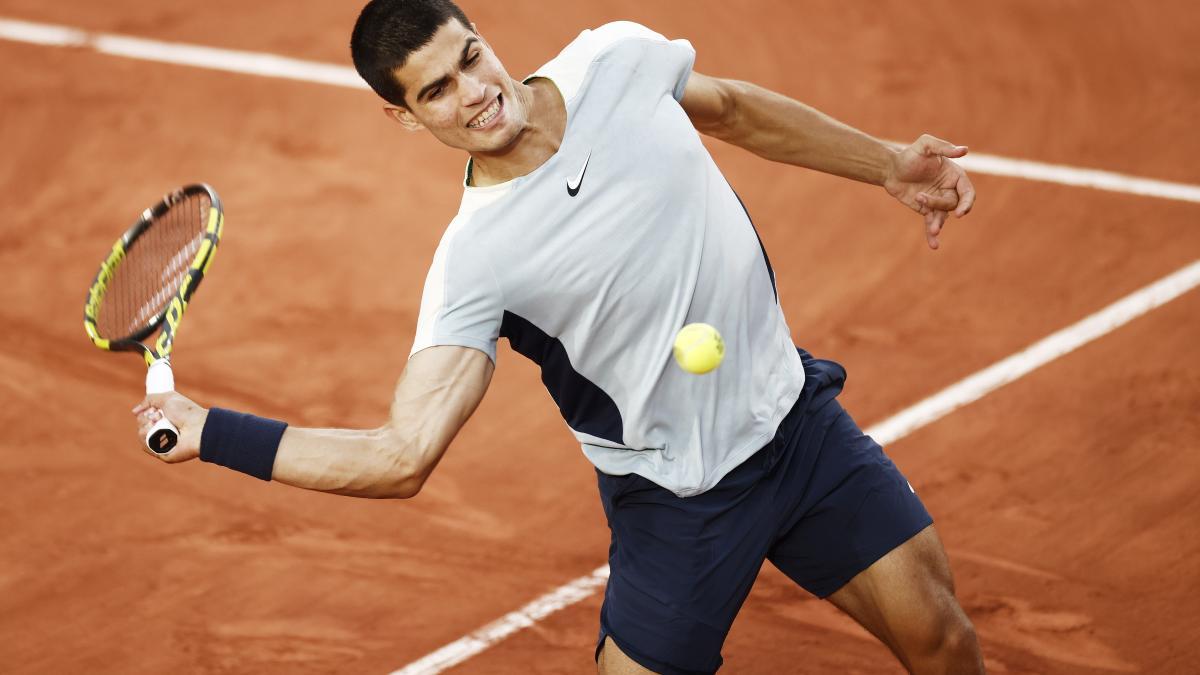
<point>144,285</point>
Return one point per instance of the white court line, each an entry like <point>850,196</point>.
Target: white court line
<point>1089,178</point>
<point>886,432</point>
<point>1036,355</point>
<point>248,63</point>
<point>464,648</point>
<point>272,65</point>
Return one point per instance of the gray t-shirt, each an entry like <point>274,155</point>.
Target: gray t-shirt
<point>592,262</point>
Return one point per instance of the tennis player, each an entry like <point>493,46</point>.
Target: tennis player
<point>593,226</point>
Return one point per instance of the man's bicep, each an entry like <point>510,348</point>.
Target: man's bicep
<point>709,103</point>
<point>439,390</point>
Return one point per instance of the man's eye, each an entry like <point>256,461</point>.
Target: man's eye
<point>471,61</point>
<point>436,93</point>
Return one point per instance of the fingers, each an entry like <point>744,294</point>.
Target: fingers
<point>156,402</point>
<point>146,413</point>
<point>930,145</point>
<point>147,418</point>
<point>935,221</point>
<point>966,196</point>
<point>151,414</point>
<point>933,227</point>
<point>945,201</point>
<point>187,417</point>
<point>948,190</point>
<point>151,401</point>
<point>146,421</point>
<point>143,429</point>
<point>144,424</point>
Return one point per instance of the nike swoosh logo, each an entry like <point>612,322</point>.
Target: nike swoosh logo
<point>573,186</point>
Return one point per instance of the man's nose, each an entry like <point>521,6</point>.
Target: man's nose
<point>473,90</point>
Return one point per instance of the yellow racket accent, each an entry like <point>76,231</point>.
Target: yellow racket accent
<point>200,260</point>
<point>91,309</point>
<point>216,227</point>
<point>172,312</point>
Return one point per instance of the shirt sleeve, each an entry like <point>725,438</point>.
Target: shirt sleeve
<point>461,305</point>
<point>669,62</point>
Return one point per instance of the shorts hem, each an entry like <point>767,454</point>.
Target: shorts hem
<point>644,661</point>
<point>823,591</point>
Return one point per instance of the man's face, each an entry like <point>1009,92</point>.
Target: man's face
<point>457,89</point>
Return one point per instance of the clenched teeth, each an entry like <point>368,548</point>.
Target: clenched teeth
<point>485,116</point>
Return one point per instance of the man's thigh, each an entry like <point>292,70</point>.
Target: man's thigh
<point>911,582</point>
<point>681,568</point>
<point>855,509</point>
<point>906,599</point>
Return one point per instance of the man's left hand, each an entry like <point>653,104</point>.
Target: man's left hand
<point>924,179</point>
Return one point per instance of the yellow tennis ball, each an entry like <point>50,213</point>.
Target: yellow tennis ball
<point>699,348</point>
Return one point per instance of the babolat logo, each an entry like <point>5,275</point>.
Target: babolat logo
<point>163,346</point>
<point>103,277</point>
<point>174,312</point>
<point>94,295</point>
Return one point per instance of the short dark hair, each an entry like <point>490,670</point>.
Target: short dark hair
<point>388,31</point>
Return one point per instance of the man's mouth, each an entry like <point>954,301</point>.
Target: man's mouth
<point>484,118</point>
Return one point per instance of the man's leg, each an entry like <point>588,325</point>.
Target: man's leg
<point>862,539</point>
<point>680,569</point>
<point>906,599</point>
<point>613,661</point>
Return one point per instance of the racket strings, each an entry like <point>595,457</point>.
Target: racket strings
<point>154,268</point>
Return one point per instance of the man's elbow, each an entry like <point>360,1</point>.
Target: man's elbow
<point>407,486</point>
<point>392,486</point>
<point>724,118</point>
<point>408,468</point>
<point>398,490</point>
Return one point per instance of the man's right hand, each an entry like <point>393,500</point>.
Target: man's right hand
<point>185,414</point>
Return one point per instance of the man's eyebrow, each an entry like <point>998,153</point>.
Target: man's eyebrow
<point>441,81</point>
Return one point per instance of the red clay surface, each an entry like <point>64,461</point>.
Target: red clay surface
<point>1067,500</point>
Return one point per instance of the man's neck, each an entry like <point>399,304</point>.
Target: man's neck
<point>535,145</point>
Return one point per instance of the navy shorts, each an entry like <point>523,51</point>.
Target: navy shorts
<point>821,502</point>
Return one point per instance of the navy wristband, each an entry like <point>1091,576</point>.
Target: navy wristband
<point>241,442</point>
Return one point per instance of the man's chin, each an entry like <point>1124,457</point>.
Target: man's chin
<point>497,143</point>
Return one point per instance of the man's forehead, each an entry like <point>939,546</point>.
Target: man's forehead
<point>434,59</point>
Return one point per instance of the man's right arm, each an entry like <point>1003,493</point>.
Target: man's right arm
<point>437,392</point>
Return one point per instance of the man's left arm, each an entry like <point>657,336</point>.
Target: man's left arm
<point>921,176</point>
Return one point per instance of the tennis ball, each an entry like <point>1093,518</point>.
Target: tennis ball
<point>699,348</point>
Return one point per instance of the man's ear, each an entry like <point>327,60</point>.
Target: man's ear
<point>404,117</point>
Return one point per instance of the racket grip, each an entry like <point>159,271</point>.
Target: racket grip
<point>160,379</point>
<point>162,436</point>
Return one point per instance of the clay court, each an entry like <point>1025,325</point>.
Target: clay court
<point>1067,499</point>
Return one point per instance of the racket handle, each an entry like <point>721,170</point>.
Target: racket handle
<point>160,379</point>
<point>162,436</point>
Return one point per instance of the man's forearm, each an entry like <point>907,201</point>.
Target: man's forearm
<point>368,463</point>
<point>438,391</point>
<point>782,129</point>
